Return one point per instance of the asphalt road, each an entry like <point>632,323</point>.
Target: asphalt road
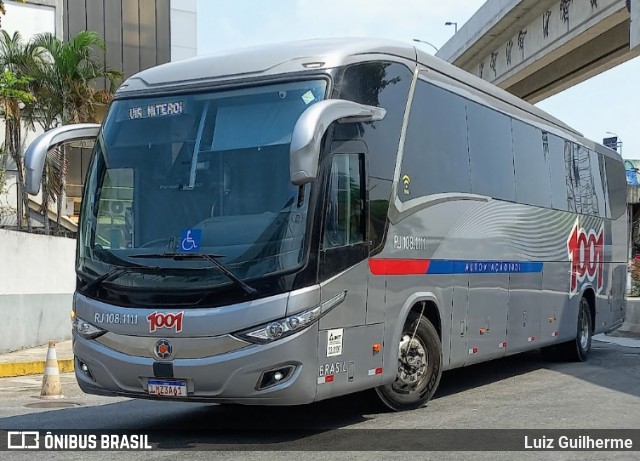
<point>519,392</point>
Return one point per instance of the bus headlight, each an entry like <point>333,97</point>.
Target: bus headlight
<point>278,329</point>
<point>86,329</point>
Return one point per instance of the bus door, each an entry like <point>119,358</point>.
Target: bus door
<point>343,244</point>
<point>346,359</point>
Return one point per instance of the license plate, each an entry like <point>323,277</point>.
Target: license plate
<point>167,388</point>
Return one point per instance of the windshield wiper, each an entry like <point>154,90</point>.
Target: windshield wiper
<point>210,258</point>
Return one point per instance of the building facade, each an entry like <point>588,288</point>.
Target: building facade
<point>138,34</point>
<point>37,276</point>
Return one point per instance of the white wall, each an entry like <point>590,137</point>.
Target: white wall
<point>45,262</point>
<point>37,277</point>
<point>184,29</point>
<point>33,17</point>
<point>37,280</point>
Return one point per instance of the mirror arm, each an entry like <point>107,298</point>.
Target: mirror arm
<point>36,153</point>
<point>311,127</point>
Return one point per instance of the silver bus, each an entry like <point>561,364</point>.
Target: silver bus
<point>284,224</point>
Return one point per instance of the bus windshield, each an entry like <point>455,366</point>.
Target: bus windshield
<point>206,173</point>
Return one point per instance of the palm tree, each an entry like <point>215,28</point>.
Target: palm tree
<point>17,101</point>
<point>61,76</point>
<point>14,96</point>
<point>64,79</point>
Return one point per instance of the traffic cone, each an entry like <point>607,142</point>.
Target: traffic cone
<point>51,387</point>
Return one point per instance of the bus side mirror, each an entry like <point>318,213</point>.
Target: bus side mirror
<point>37,151</point>
<point>310,128</point>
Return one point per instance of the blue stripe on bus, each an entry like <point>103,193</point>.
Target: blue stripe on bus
<point>483,267</point>
<point>395,266</point>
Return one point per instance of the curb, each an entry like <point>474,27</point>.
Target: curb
<point>32,368</point>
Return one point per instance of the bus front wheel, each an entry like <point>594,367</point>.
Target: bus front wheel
<point>419,366</point>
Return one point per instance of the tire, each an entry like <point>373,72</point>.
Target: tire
<point>426,353</point>
<point>576,350</point>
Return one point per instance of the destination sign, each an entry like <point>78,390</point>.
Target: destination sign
<point>156,110</point>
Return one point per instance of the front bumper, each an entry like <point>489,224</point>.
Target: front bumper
<point>230,377</point>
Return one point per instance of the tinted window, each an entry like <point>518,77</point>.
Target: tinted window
<point>436,155</point>
<point>171,168</point>
<point>598,189</point>
<point>617,185</point>
<point>553,148</point>
<point>343,224</point>
<point>491,152</point>
<point>533,183</point>
<point>381,84</point>
<point>571,175</point>
<point>605,189</point>
<point>586,189</point>
<point>378,209</point>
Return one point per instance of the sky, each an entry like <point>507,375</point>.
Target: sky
<point>609,102</point>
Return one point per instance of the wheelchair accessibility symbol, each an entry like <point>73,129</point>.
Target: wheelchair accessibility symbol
<point>190,240</point>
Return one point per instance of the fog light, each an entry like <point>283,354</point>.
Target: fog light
<point>275,376</point>
<point>84,368</point>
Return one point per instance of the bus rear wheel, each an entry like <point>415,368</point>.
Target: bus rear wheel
<point>576,350</point>
<point>419,366</point>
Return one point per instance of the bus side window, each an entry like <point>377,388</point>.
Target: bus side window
<point>344,219</point>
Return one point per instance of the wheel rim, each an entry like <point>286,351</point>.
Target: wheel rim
<point>413,361</point>
<point>584,330</point>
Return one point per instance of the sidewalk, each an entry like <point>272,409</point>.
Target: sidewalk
<point>632,324</point>
<point>31,361</point>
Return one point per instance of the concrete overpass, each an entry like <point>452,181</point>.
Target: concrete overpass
<point>537,48</point>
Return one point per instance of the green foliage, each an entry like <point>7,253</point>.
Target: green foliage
<point>15,95</point>
<point>16,89</point>
<point>635,276</point>
<point>50,82</point>
<point>66,74</point>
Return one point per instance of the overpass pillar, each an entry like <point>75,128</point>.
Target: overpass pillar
<point>634,30</point>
